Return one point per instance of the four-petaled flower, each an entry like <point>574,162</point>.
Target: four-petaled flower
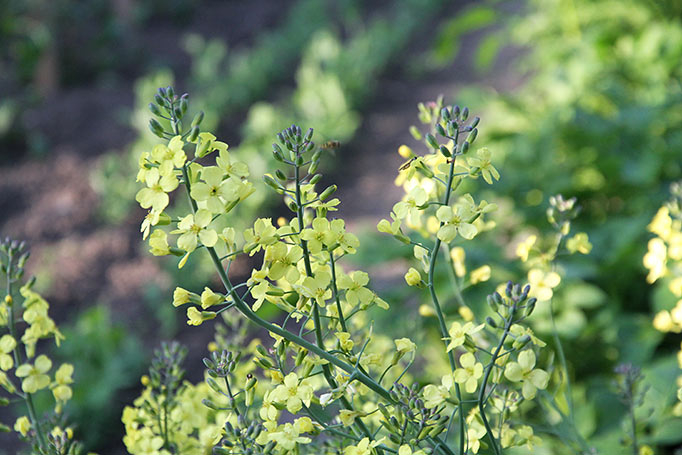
<point>34,375</point>
<point>482,163</point>
<point>194,228</point>
<point>455,221</point>
<point>541,283</point>
<point>522,370</point>
<point>293,393</point>
<point>156,193</point>
<point>469,373</point>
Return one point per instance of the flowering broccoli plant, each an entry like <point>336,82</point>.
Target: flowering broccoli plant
<point>24,321</point>
<point>327,383</point>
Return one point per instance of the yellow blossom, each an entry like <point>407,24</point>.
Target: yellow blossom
<point>35,377</point>
<point>524,248</point>
<point>22,425</point>
<point>523,371</point>
<point>580,243</point>
<point>541,283</point>
<point>480,275</point>
<point>293,393</point>
<point>469,372</point>
<point>413,277</point>
<point>405,345</point>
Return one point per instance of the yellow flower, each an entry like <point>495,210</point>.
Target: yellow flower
<point>288,436</point>
<point>196,317</point>
<point>655,260</point>
<point>214,191</point>
<point>661,225</point>
<point>194,228</point>
<point>413,277</point>
<point>480,275</point>
<point>155,195</point>
<point>580,243</point>
<point>456,221</point>
<point>61,390</point>
<point>210,298</point>
<point>522,371</point>
<point>466,313</point>
<point>316,288</point>
<point>459,333</point>
<point>405,345</point>
<point>182,296</point>
<point>483,164</point>
<point>435,395</point>
<point>364,447</point>
<point>7,345</point>
<point>347,417</point>
<point>408,207</point>
<point>22,425</point>
<point>158,243</point>
<point>541,283</point>
<point>663,322</point>
<point>407,450</point>
<point>524,248</point>
<point>261,235</point>
<point>293,393</point>
<point>35,377</point>
<point>345,341</point>
<point>469,373</point>
<point>457,254</point>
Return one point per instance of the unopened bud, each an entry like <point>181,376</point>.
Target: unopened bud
<point>328,192</point>
<point>156,128</point>
<point>431,141</point>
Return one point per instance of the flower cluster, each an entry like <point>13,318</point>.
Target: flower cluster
<point>325,383</point>
<point>664,262</point>
<point>24,320</point>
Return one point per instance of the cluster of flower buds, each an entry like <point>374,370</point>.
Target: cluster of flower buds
<point>60,442</point>
<point>242,439</point>
<point>220,365</point>
<point>424,422</point>
<point>514,307</point>
<point>15,256</point>
<point>171,107</point>
<point>166,372</point>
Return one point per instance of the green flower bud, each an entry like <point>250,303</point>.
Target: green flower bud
<point>308,135</point>
<point>313,167</point>
<point>440,130</point>
<point>158,99</point>
<point>474,122</point>
<point>196,121</point>
<point>431,141</point>
<point>465,148</point>
<point>415,133</point>
<point>280,175</point>
<point>184,104</point>
<point>445,151</point>
<point>465,114</point>
<point>491,322</point>
<point>170,93</point>
<point>328,192</point>
<point>156,128</point>
<point>269,181</point>
<point>445,113</point>
<point>154,109</point>
<point>472,136</point>
<point>316,178</point>
<point>193,134</point>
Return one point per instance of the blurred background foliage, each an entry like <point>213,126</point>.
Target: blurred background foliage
<point>578,97</point>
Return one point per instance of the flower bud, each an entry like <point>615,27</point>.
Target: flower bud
<point>465,147</point>
<point>465,114</point>
<point>445,151</point>
<point>193,134</point>
<point>328,192</point>
<point>156,128</point>
<point>154,109</point>
<point>445,113</point>
<point>316,178</point>
<point>431,141</point>
<point>170,93</point>
<point>472,136</point>
<point>474,122</point>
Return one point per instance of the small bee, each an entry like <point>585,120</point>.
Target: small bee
<point>330,145</point>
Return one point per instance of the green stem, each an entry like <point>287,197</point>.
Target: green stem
<point>335,289</point>
<point>486,376</point>
<point>439,312</point>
